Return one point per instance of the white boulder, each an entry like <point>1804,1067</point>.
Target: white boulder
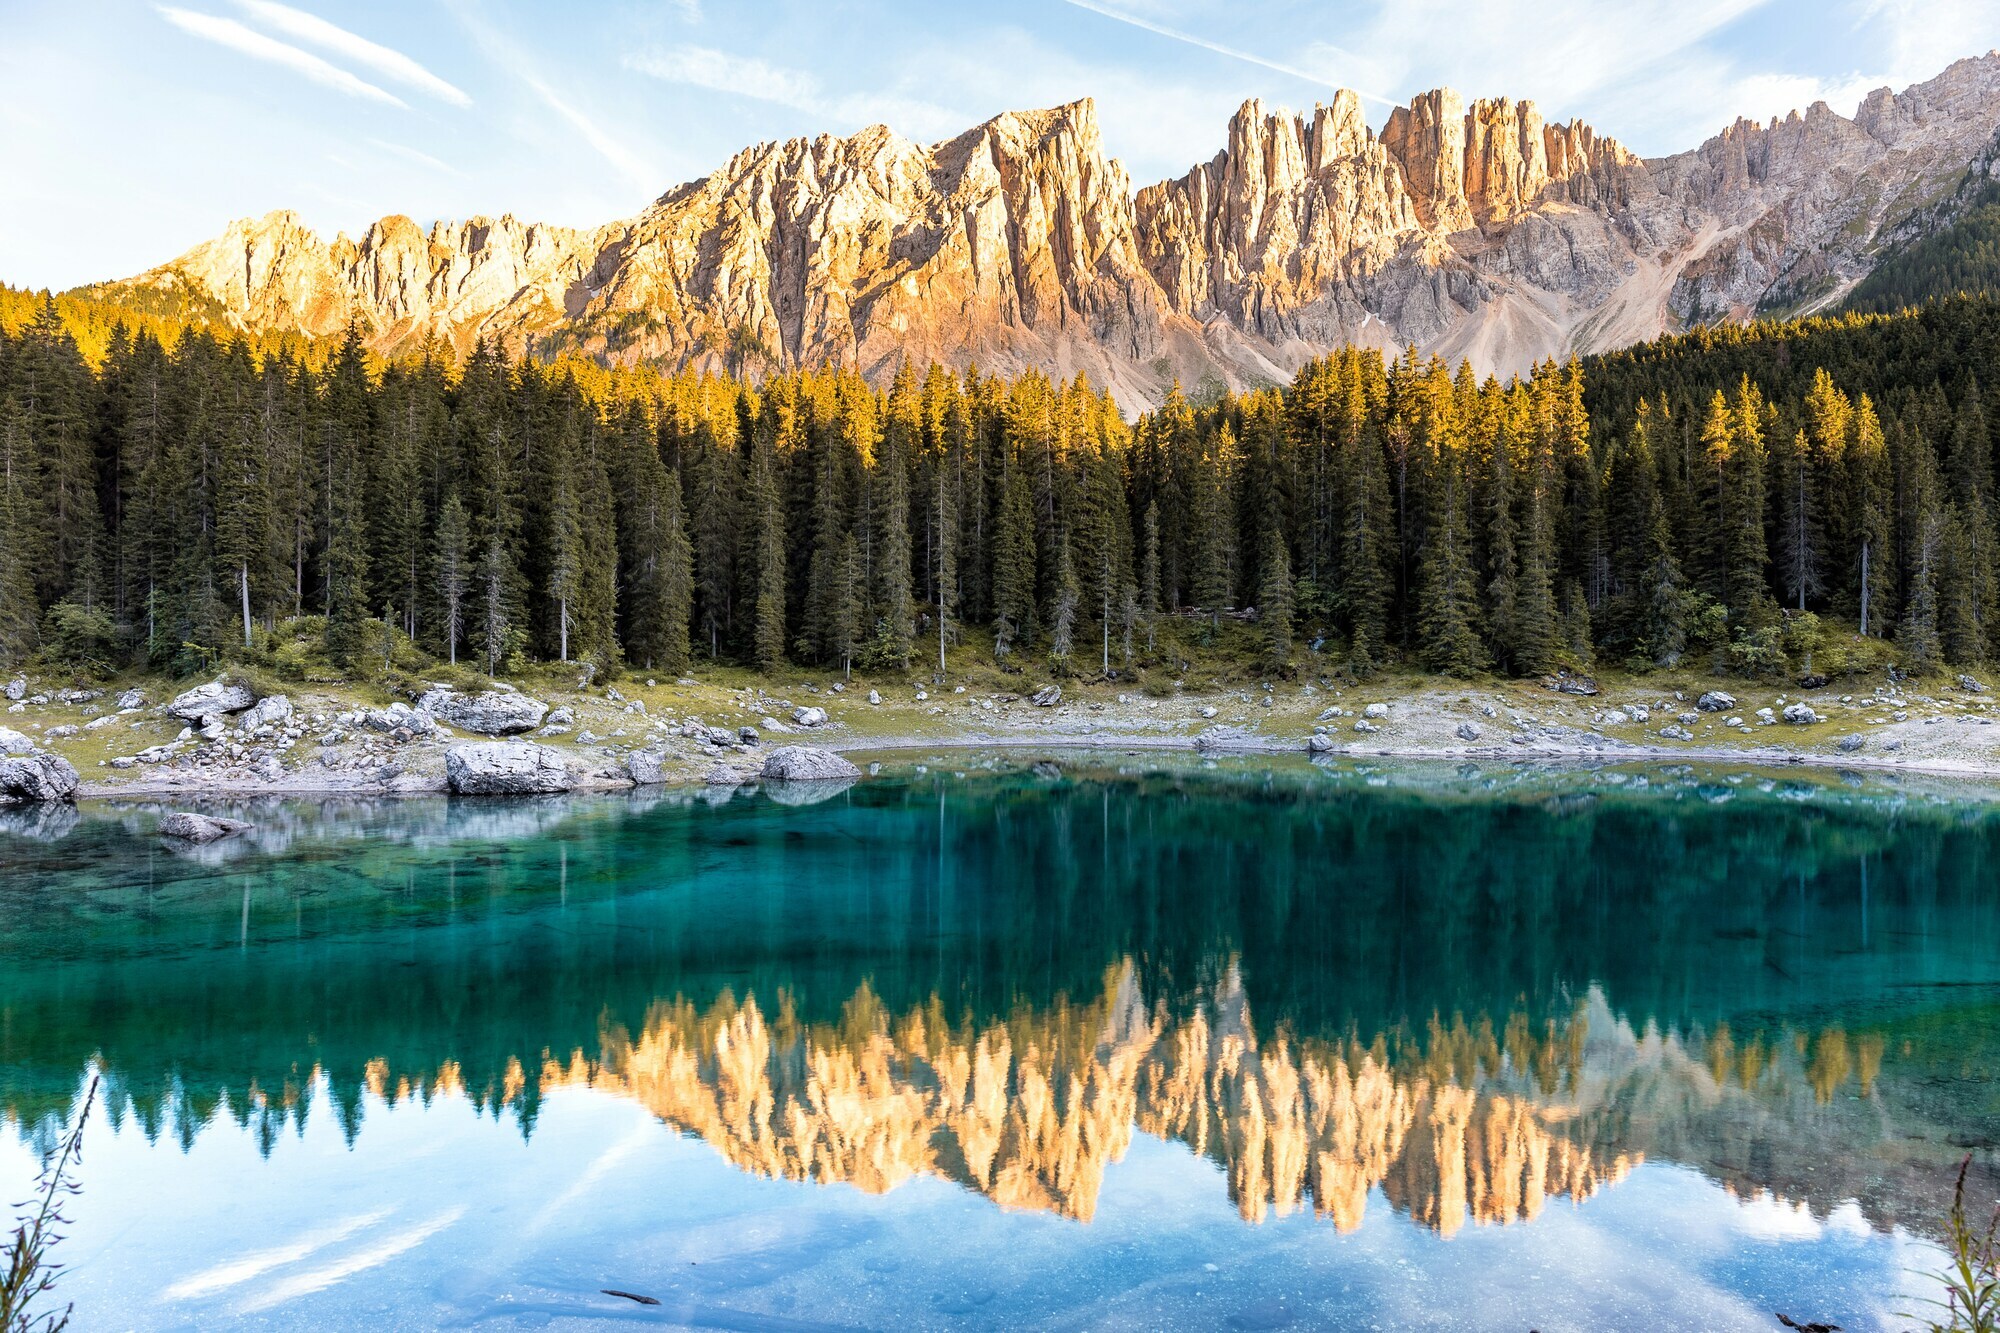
<point>504,768</point>
<point>189,827</point>
<point>214,699</point>
<point>39,778</point>
<point>489,712</point>
<point>807,763</point>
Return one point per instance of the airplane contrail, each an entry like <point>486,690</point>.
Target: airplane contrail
<point>1175,34</point>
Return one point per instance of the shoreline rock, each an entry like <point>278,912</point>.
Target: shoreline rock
<point>186,826</point>
<point>38,779</point>
<point>505,768</point>
<point>807,763</point>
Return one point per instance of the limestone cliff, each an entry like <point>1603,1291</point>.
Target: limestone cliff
<point>1478,231</point>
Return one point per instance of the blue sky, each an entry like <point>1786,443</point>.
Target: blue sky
<point>130,130</point>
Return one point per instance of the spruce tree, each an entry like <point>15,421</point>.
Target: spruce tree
<point>452,572</point>
<point>1274,599</point>
<point>1014,567</point>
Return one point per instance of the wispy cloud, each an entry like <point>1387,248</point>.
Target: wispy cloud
<point>385,61</point>
<point>718,71</point>
<point>748,76</point>
<point>233,35</point>
<point>509,57</point>
<point>689,10</point>
<point>409,154</point>
<point>1234,53</point>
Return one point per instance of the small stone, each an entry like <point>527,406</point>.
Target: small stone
<point>1467,732</point>
<point>1800,714</point>
<point>809,717</point>
<point>1046,697</point>
<point>1375,711</point>
<point>1716,701</point>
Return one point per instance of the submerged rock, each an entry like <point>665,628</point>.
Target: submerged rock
<point>504,768</point>
<point>807,763</point>
<point>490,712</point>
<point>204,702</point>
<point>190,827</point>
<point>37,778</point>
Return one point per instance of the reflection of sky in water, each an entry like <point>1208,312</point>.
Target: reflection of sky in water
<point>438,1216</point>
<point>1344,1047</point>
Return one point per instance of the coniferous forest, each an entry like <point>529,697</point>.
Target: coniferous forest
<point>1814,496</point>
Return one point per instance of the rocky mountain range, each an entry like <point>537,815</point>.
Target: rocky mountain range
<point>1478,231</point>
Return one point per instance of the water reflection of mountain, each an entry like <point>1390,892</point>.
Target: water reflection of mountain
<point>1457,1122</point>
<point>1785,988</point>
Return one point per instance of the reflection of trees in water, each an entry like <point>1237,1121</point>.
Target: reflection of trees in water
<point>1456,1120</point>
<point>445,951</point>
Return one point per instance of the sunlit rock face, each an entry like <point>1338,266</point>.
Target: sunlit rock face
<point>1476,230</point>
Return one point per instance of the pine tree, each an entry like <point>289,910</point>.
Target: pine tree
<point>1366,550</point>
<point>1274,599</point>
<point>1063,600</point>
<point>1448,594</point>
<point>1919,636</point>
<point>453,573</point>
<point>1871,484</point>
<point>344,434</point>
<point>1014,567</point>
<point>766,562</point>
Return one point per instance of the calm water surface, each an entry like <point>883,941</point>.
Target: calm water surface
<point>985,1044</point>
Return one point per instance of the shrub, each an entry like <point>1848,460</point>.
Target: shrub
<point>79,639</point>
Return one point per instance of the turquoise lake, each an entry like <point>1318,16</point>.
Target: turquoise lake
<point>1105,1042</point>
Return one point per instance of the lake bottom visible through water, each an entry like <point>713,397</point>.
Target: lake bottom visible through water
<point>998,1043</point>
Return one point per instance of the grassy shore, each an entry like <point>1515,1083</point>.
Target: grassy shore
<point>1938,726</point>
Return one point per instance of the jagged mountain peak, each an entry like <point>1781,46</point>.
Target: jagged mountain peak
<point>1469,228</point>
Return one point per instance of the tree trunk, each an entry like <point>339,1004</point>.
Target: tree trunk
<point>1864,589</point>
<point>243,582</point>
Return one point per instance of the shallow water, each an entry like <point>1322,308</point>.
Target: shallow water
<point>976,1043</point>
